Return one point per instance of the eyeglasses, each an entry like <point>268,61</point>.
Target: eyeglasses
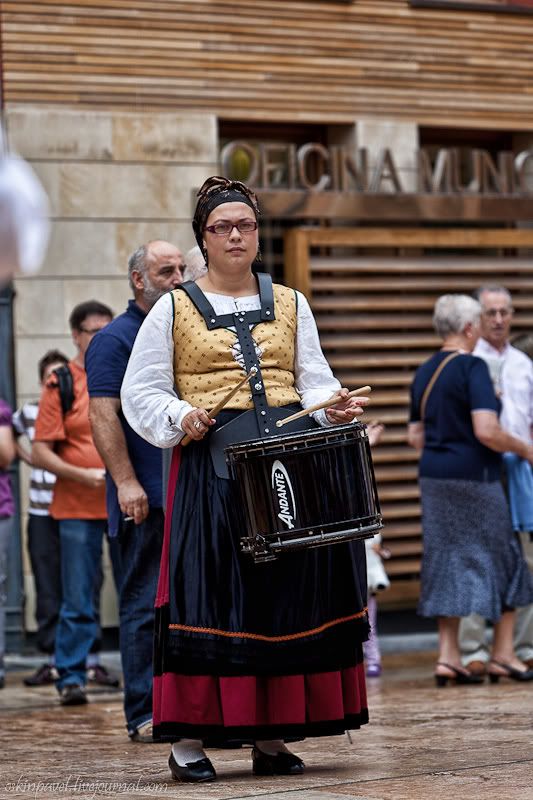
<point>91,331</point>
<point>492,313</point>
<point>224,228</point>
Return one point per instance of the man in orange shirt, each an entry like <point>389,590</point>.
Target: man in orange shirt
<point>64,445</point>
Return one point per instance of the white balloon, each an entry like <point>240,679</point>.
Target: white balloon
<point>24,223</point>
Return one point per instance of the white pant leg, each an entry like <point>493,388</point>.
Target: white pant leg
<point>473,639</point>
<point>523,632</point>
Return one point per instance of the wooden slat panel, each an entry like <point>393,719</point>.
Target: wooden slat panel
<point>420,237</point>
<point>407,566</point>
<point>271,60</point>
<point>401,473</point>
<point>416,266</point>
<point>374,316</point>
<point>402,592</point>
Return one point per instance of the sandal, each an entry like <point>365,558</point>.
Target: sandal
<point>509,672</point>
<point>460,675</point>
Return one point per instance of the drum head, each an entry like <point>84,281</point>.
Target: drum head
<point>306,489</point>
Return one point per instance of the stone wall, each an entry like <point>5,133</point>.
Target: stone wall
<point>114,180</point>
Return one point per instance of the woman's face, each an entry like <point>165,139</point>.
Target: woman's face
<point>234,250</point>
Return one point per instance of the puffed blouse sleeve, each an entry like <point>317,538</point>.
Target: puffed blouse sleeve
<point>314,380</point>
<point>148,397</point>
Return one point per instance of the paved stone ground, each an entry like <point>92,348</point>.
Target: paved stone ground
<point>423,743</point>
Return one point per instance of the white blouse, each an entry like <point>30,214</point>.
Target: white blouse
<point>148,395</point>
<point>516,386</point>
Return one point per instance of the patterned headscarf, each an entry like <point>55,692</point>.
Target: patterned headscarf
<point>213,193</point>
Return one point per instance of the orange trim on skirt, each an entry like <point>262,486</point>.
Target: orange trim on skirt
<point>262,637</point>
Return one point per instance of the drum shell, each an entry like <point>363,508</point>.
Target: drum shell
<point>301,490</point>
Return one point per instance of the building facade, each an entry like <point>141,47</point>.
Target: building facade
<point>391,143</point>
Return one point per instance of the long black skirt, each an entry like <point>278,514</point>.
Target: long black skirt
<point>219,614</point>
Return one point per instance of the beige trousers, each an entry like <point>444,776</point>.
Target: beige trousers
<point>473,638</point>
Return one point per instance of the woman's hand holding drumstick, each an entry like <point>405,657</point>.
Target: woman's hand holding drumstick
<point>342,407</point>
<point>197,422</point>
<point>350,405</point>
<point>195,425</point>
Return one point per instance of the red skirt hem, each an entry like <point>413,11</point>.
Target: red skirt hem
<point>230,705</point>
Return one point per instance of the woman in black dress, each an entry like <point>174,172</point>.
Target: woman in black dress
<point>244,653</point>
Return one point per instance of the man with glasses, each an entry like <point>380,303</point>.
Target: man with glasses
<point>512,373</point>
<point>63,445</point>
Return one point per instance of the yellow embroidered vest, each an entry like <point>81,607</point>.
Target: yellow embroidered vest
<point>205,362</point>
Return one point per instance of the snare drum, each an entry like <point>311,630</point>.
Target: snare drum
<point>305,489</point>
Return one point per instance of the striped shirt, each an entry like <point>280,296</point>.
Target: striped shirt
<point>41,481</point>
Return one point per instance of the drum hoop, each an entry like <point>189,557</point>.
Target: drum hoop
<point>268,547</point>
<point>365,525</point>
<point>317,540</point>
<point>336,435</point>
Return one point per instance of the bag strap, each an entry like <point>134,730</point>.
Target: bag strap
<point>431,384</point>
<point>65,385</point>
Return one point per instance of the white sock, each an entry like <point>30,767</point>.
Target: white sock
<point>187,751</point>
<point>271,747</point>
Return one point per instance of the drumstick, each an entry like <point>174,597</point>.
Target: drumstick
<point>337,398</point>
<point>225,400</point>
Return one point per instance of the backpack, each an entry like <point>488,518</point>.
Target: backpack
<point>65,384</point>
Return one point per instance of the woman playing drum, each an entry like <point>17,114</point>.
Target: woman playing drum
<point>244,653</point>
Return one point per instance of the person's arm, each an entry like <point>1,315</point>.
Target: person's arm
<point>149,401</point>
<point>7,439</point>
<point>484,414</point>
<point>19,430</point>
<point>415,435</point>
<point>531,400</point>
<point>314,380</point>
<point>23,453</point>
<point>374,432</point>
<point>44,457</point>
<point>105,363</point>
<point>108,435</point>
<point>489,432</point>
<point>7,446</point>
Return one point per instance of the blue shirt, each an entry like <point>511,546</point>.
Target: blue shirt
<point>105,363</point>
<point>519,474</point>
<point>451,449</point>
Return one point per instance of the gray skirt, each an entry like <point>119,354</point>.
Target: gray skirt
<point>472,560</point>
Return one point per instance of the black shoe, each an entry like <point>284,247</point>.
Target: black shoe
<point>280,764</point>
<point>509,672</point>
<point>460,676</point>
<point>44,676</point>
<point>143,734</point>
<point>193,772</point>
<point>100,675</point>
<point>2,681</point>
<point>72,695</point>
